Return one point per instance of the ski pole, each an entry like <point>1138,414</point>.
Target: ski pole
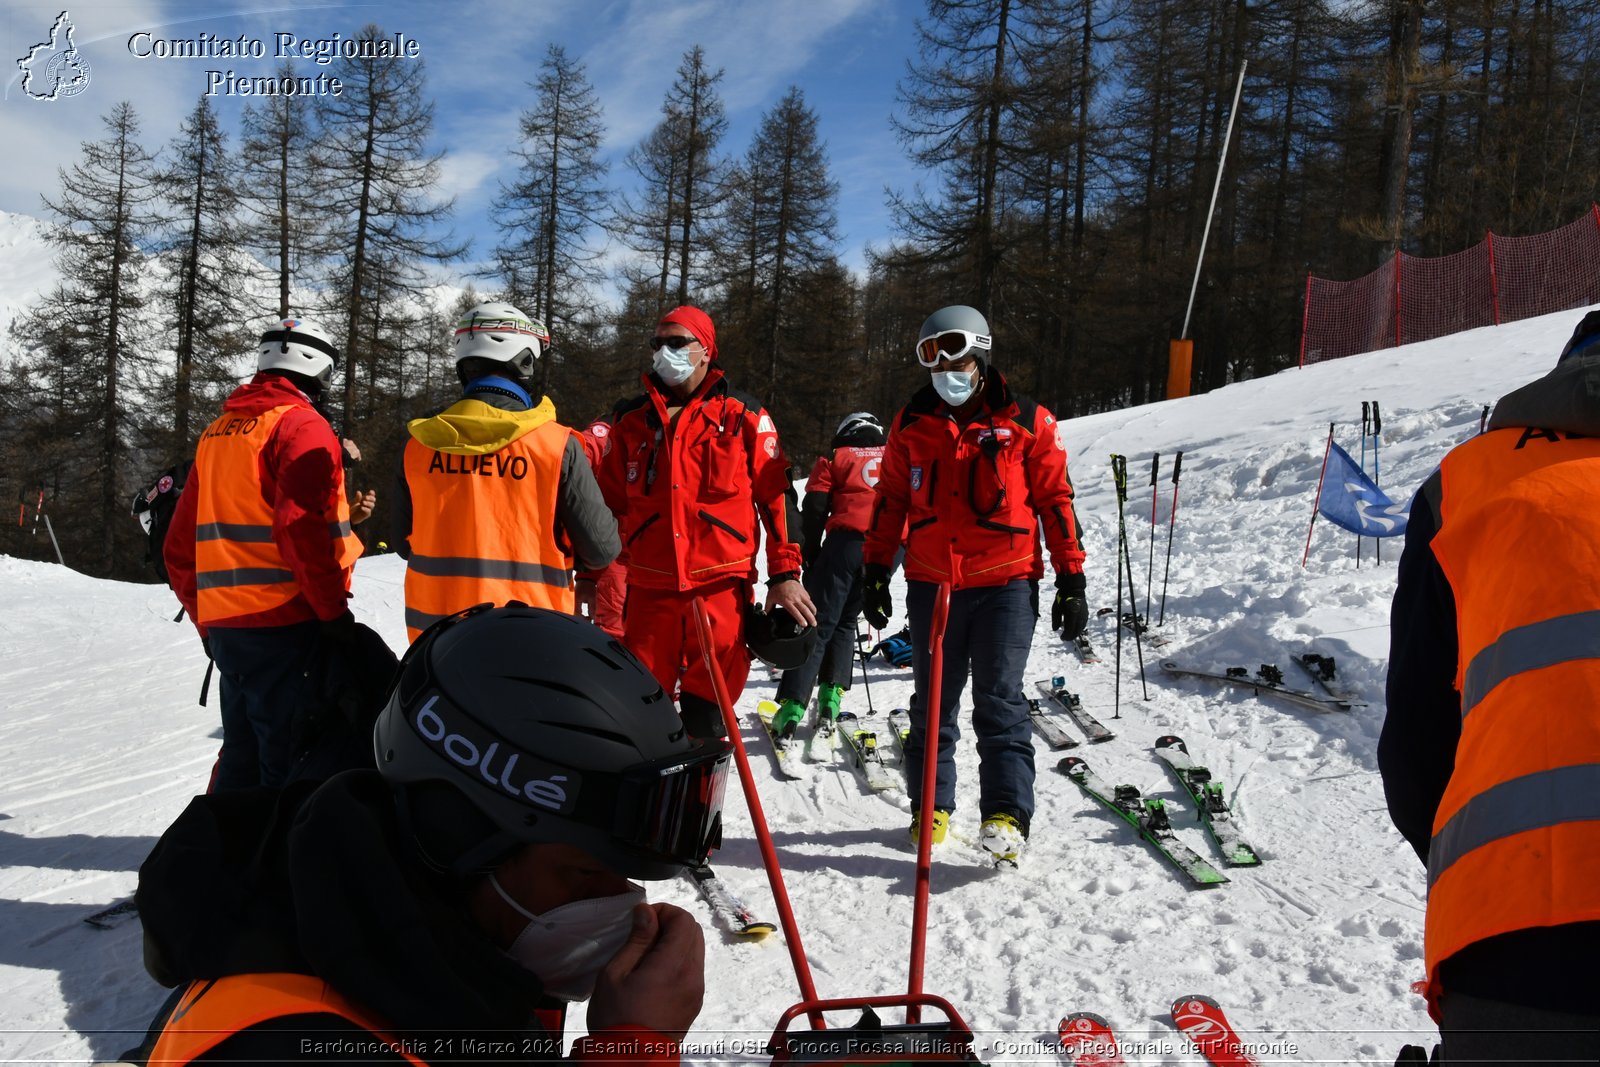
<point>862,656</point>
<point>769,854</point>
<point>1172,522</point>
<point>930,766</point>
<point>1119,474</point>
<point>1133,595</point>
<point>1317,504</point>
<point>1150,564</point>
<point>1366,428</point>
<point>1377,429</point>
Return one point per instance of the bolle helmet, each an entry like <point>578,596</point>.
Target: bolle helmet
<point>518,725</point>
<point>950,333</point>
<point>500,333</point>
<point>301,347</point>
<point>859,428</point>
<point>778,639</point>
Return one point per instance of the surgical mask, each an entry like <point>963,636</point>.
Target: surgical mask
<point>673,366</point>
<point>954,386</point>
<point>567,947</point>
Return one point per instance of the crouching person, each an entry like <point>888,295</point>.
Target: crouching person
<point>450,904</point>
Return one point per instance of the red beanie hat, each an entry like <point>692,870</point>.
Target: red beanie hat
<point>696,322</point>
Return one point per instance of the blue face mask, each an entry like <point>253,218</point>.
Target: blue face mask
<point>674,365</point>
<point>955,387</point>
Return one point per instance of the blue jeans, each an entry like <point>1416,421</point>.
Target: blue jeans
<point>262,672</point>
<point>989,633</point>
<point>834,582</point>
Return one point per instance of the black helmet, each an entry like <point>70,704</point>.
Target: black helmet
<point>517,725</point>
<point>778,640</point>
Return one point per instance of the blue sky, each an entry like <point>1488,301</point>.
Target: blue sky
<point>845,55</point>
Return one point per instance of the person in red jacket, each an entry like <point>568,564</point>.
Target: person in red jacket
<point>601,594</point>
<point>975,469</point>
<point>694,470</point>
<point>260,549</point>
<point>838,502</point>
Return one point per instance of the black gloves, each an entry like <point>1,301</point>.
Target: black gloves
<point>875,595</point>
<point>1070,612</point>
<point>343,630</point>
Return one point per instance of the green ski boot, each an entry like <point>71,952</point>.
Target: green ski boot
<point>787,718</point>
<point>828,698</point>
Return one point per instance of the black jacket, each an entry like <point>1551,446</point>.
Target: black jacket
<point>320,880</point>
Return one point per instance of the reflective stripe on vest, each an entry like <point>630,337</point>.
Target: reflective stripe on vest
<point>210,1012</point>
<point>480,533</point>
<point>1516,839</point>
<point>239,569</point>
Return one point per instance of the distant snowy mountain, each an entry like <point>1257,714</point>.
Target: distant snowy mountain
<point>27,265</point>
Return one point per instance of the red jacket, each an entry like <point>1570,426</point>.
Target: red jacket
<point>687,493</point>
<point>971,498</point>
<point>301,477</point>
<point>848,476</point>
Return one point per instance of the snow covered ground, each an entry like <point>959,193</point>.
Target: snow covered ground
<point>101,744</point>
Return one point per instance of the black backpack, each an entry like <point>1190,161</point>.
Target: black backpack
<point>153,507</point>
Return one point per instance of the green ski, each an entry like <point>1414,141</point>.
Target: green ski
<point>1148,817</point>
<point>1208,799</point>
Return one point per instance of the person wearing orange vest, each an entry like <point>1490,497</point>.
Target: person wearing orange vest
<point>971,472</point>
<point>694,473</point>
<point>1490,751</point>
<point>450,904</point>
<point>260,550</point>
<point>838,502</point>
<point>496,498</point>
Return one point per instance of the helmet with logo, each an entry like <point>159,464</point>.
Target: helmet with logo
<point>952,332</point>
<point>299,346</point>
<point>778,639</point>
<point>499,333</point>
<point>860,428</point>
<point>488,748</point>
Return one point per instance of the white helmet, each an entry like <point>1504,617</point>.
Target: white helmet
<point>502,334</point>
<point>859,422</point>
<point>301,346</point>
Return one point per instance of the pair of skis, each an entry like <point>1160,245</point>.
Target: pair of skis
<point>1149,816</point>
<point>1268,679</point>
<point>727,909</point>
<point>1089,1041</point>
<point>1063,702</point>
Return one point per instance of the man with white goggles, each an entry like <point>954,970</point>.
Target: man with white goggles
<point>949,345</point>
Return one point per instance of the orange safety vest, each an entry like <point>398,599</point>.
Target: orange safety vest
<point>211,1011</point>
<point>483,528</point>
<point>238,567</point>
<point>1516,840</point>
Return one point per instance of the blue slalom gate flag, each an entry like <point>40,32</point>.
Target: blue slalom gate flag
<point>1352,500</point>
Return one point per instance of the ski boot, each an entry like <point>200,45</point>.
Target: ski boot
<point>787,718</point>
<point>941,826</point>
<point>1003,837</point>
<point>828,698</point>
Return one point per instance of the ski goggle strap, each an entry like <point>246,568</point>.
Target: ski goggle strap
<point>949,345</point>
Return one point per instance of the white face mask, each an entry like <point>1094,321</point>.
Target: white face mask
<point>567,947</point>
<point>674,365</point>
<point>954,386</point>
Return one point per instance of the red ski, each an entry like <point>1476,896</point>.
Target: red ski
<point>1201,1018</point>
<point>1088,1041</point>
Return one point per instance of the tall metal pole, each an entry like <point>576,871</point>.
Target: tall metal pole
<point>1227,139</point>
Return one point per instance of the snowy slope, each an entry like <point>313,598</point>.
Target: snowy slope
<point>102,743</point>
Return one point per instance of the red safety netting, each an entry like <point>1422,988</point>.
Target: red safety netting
<point>1414,298</point>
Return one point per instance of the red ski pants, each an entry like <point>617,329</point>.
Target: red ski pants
<point>658,626</point>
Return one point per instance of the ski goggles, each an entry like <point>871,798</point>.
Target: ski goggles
<point>670,811</point>
<point>949,346</point>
